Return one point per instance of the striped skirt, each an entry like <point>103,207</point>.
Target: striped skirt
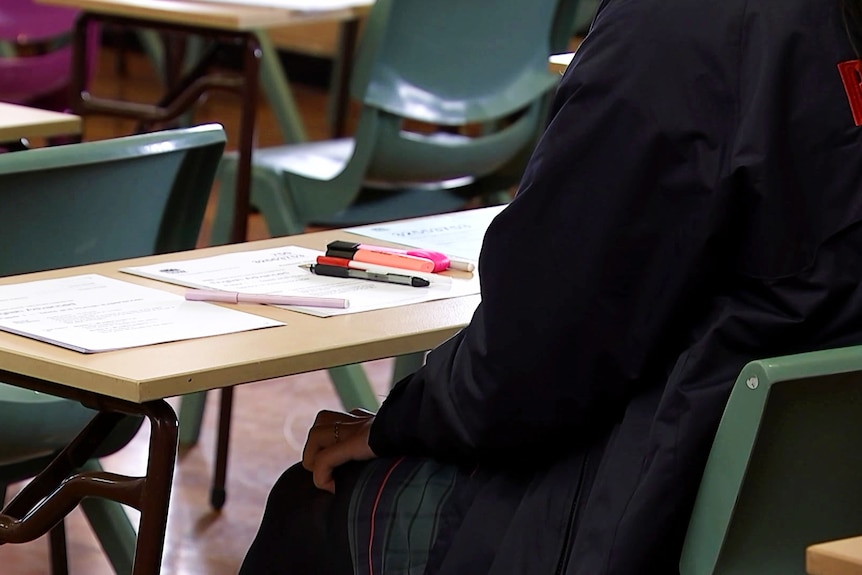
<point>388,516</point>
<point>397,509</point>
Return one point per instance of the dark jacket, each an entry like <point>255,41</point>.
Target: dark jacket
<point>695,203</point>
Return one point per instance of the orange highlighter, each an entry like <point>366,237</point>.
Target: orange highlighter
<point>393,260</point>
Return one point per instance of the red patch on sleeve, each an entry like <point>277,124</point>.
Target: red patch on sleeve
<point>851,76</point>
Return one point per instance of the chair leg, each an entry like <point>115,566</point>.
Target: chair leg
<point>112,527</point>
<point>353,388</point>
<point>276,88</point>
<point>406,364</point>
<point>57,542</point>
<point>191,417</point>
<point>223,217</point>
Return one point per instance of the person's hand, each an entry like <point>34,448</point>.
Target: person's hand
<point>336,438</point>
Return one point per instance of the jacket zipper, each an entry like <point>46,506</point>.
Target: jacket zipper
<point>566,551</point>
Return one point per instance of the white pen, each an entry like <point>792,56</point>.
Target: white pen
<point>461,265</point>
<point>271,299</point>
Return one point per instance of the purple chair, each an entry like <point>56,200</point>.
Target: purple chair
<point>37,62</point>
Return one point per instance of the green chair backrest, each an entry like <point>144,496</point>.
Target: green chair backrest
<point>86,203</point>
<point>104,200</point>
<point>453,62</point>
<point>784,470</point>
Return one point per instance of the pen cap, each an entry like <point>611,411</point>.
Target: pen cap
<point>342,246</point>
<point>344,254</point>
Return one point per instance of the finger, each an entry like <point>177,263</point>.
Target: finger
<point>321,434</point>
<point>329,428</point>
<point>355,448</point>
<point>325,464</point>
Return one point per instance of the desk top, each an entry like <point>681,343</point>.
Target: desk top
<point>231,17</point>
<point>558,63</point>
<point>306,343</point>
<point>841,557</point>
<point>18,122</point>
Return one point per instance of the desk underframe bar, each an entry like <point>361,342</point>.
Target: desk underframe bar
<point>60,487</point>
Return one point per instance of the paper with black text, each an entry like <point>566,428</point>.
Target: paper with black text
<point>92,313</point>
<point>278,271</point>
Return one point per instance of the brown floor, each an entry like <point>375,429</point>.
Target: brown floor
<point>270,418</point>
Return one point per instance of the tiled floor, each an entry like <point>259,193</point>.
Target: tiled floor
<point>270,418</point>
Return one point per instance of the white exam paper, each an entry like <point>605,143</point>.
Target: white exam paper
<point>457,234</point>
<point>92,313</point>
<point>278,271</point>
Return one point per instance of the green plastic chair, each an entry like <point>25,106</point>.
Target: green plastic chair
<point>784,471</point>
<point>85,203</point>
<point>442,65</point>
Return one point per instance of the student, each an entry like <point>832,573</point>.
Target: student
<point>695,203</point>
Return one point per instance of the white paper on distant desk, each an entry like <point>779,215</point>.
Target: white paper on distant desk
<point>458,234</point>
<point>298,5</point>
<point>277,271</point>
<point>92,313</point>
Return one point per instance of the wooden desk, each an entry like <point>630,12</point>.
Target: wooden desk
<point>841,557</point>
<point>236,17</point>
<point>558,63</point>
<point>240,24</point>
<point>17,122</point>
<point>136,381</point>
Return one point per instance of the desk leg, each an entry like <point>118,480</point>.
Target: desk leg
<point>338,106</point>
<point>156,494</point>
<point>183,96</point>
<point>218,491</point>
<point>60,487</point>
<point>251,66</point>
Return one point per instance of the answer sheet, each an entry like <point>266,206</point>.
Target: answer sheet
<point>92,313</point>
<point>278,271</point>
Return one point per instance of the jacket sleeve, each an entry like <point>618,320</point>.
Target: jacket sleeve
<point>611,232</point>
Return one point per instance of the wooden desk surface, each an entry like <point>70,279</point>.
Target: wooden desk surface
<point>230,17</point>
<point>18,122</point>
<point>841,557</point>
<point>306,343</point>
<point>558,63</point>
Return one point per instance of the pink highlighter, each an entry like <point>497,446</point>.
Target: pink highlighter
<point>347,250</point>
